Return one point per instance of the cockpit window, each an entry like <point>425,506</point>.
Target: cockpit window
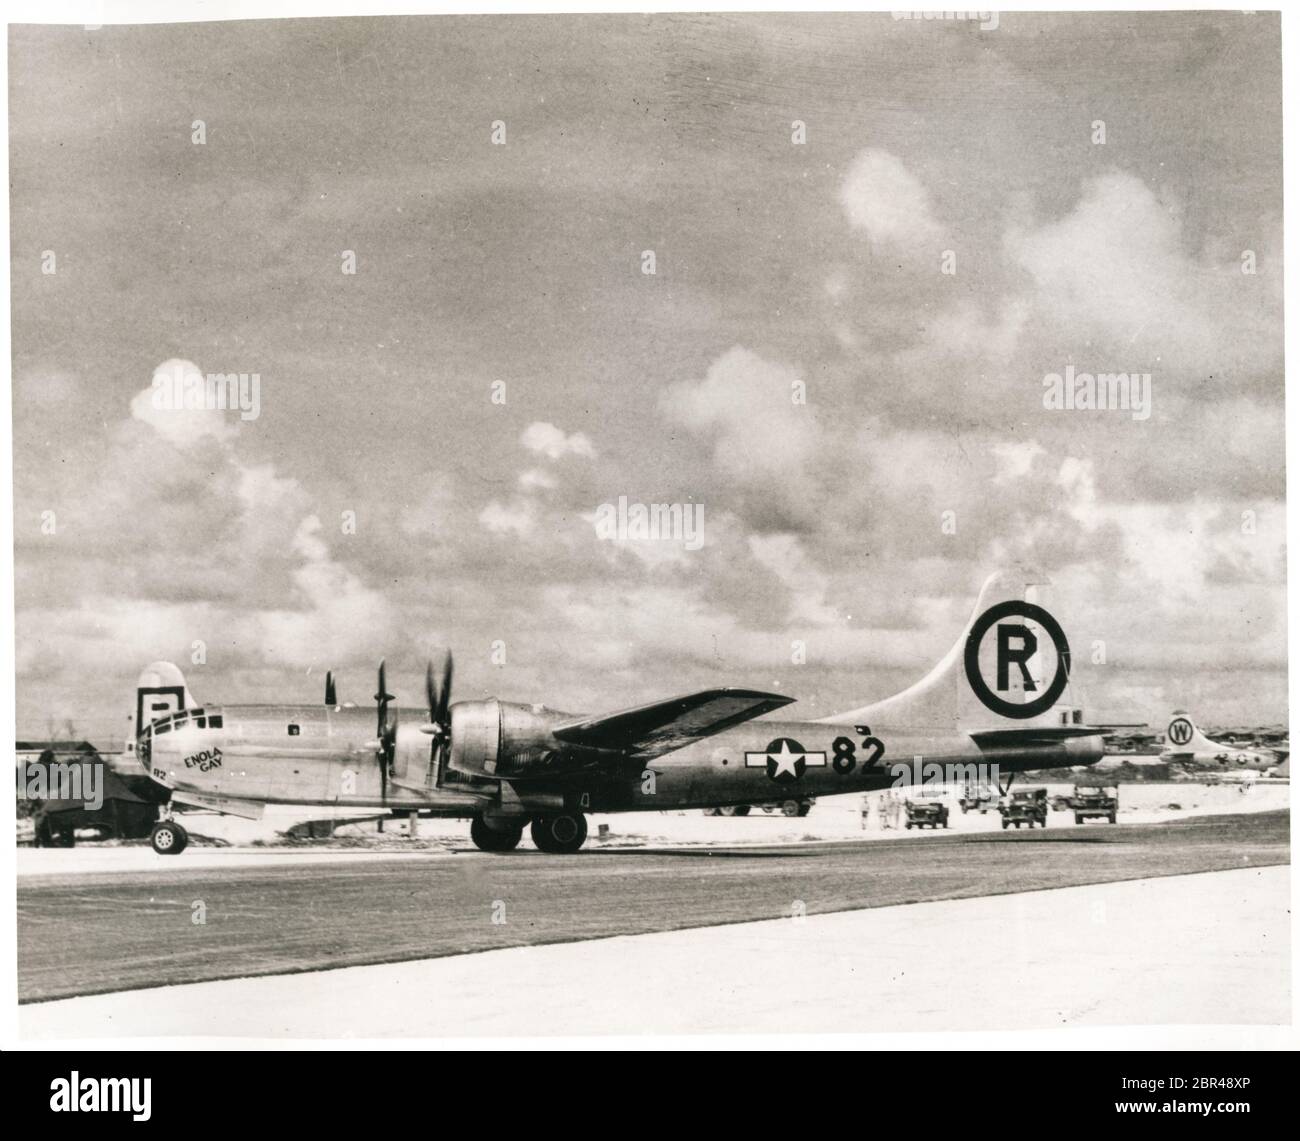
<point>198,718</point>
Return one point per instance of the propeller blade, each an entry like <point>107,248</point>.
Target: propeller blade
<point>437,692</point>
<point>382,698</point>
<point>331,696</point>
<point>430,692</point>
<point>444,692</point>
<point>386,733</point>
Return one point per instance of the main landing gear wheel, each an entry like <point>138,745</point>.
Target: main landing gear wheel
<point>560,835</point>
<point>489,839</point>
<point>168,838</point>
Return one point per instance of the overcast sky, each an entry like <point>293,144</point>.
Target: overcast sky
<point>776,263</point>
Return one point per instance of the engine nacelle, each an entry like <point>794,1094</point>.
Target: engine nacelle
<point>475,737</point>
<point>504,740</point>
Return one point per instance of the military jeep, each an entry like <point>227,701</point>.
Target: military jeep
<point>1025,807</point>
<point>1091,802</point>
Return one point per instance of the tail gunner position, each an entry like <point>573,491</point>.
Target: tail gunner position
<point>994,699</point>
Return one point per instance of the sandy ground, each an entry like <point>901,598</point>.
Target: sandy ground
<point>832,818</point>
<point>1068,957</point>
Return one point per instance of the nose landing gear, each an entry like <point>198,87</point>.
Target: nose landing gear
<point>168,838</point>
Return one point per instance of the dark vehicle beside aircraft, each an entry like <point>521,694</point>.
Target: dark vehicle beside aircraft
<point>1025,806</point>
<point>927,814</point>
<point>1091,802</point>
<point>978,798</point>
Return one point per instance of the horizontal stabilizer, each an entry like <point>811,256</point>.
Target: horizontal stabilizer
<point>1031,735</point>
<point>652,730</point>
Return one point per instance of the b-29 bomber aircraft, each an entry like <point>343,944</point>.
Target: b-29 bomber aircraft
<point>1186,744</point>
<point>989,703</point>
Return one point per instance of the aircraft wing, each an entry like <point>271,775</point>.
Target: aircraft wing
<point>649,731</point>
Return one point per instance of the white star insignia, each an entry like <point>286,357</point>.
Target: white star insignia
<point>785,763</point>
<point>785,760</point>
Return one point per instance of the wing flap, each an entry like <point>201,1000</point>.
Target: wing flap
<point>648,731</point>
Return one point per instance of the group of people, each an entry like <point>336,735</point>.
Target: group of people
<point>888,810</point>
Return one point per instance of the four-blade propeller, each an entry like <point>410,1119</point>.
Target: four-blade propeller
<point>386,733</point>
<point>437,693</point>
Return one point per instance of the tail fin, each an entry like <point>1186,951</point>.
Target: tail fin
<point>1182,736</point>
<point>1010,668</point>
<point>161,690</point>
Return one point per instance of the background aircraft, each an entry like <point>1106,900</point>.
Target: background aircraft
<point>994,700</point>
<point>1186,744</point>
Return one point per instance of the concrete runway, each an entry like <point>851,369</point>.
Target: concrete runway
<point>1192,955</point>
<point>95,933</point>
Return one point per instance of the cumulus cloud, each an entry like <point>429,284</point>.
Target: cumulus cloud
<point>785,557</point>
<point>540,506</point>
<point>182,538</point>
<point>887,202</point>
<point>822,521</point>
<point>1115,282</point>
<point>765,442</point>
<point>552,442</point>
<point>518,518</point>
<point>162,406</point>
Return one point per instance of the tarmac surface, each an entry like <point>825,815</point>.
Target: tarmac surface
<point>93,933</point>
<point>1176,961</point>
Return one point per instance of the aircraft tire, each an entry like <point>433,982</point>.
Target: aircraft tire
<point>168,838</point>
<point>560,835</point>
<point>488,839</point>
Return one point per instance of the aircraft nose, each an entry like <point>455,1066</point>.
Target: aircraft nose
<point>163,757</point>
